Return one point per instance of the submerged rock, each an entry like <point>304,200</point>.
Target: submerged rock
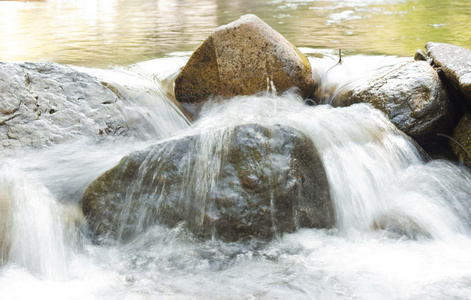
<point>397,226</point>
<point>246,182</point>
<point>47,103</point>
<point>461,142</point>
<point>242,58</point>
<point>413,97</point>
<point>455,63</point>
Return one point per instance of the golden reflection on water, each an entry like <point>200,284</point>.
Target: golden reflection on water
<point>90,32</point>
<point>104,32</point>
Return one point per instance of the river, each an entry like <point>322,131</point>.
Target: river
<point>373,169</point>
<point>114,32</point>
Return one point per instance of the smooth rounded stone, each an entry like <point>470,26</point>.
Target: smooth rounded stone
<point>47,103</point>
<point>398,226</point>
<point>461,142</point>
<point>235,184</point>
<point>413,98</point>
<point>242,58</point>
<point>455,63</point>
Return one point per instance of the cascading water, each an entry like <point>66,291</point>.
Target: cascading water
<point>336,75</point>
<point>33,228</point>
<point>366,160</point>
<point>377,178</point>
<point>140,87</point>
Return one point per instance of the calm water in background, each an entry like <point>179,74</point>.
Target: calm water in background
<point>98,33</point>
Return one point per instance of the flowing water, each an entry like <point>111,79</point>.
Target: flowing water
<point>372,168</point>
<point>374,171</point>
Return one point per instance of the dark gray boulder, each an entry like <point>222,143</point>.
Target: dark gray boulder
<point>235,184</point>
<point>455,64</point>
<point>412,96</point>
<point>47,103</point>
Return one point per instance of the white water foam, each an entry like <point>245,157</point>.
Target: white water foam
<point>32,225</point>
<point>373,170</point>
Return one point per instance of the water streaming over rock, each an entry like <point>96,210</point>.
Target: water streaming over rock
<point>402,221</point>
<point>33,225</point>
<point>366,160</point>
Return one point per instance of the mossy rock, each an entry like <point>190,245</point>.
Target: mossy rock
<point>461,142</point>
<point>242,58</point>
<point>235,184</point>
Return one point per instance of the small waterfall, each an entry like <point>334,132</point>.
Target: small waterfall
<point>373,169</point>
<point>233,183</point>
<point>32,225</point>
<point>437,193</point>
<point>377,177</point>
<point>149,94</point>
<point>362,153</point>
<point>189,196</point>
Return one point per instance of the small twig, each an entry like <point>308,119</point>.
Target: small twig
<point>340,56</point>
<point>456,142</point>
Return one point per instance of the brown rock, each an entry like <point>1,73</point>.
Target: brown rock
<point>260,182</point>
<point>461,142</point>
<point>242,58</point>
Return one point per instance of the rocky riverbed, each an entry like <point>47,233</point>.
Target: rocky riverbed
<point>43,104</point>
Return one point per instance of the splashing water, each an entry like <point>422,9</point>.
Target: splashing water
<point>367,160</point>
<point>377,177</point>
<point>148,93</point>
<point>336,77</point>
<point>32,228</point>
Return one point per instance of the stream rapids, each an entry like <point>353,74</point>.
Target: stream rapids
<point>373,170</point>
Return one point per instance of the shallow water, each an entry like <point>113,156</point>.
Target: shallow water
<point>113,32</point>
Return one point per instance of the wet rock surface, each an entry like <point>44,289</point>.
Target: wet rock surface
<point>400,226</point>
<point>455,63</point>
<point>413,97</point>
<point>242,58</point>
<point>47,103</point>
<point>251,182</point>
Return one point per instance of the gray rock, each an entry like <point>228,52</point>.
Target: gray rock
<point>47,103</point>
<point>241,183</point>
<point>242,58</point>
<point>455,63</point>
<point>412,96</point>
